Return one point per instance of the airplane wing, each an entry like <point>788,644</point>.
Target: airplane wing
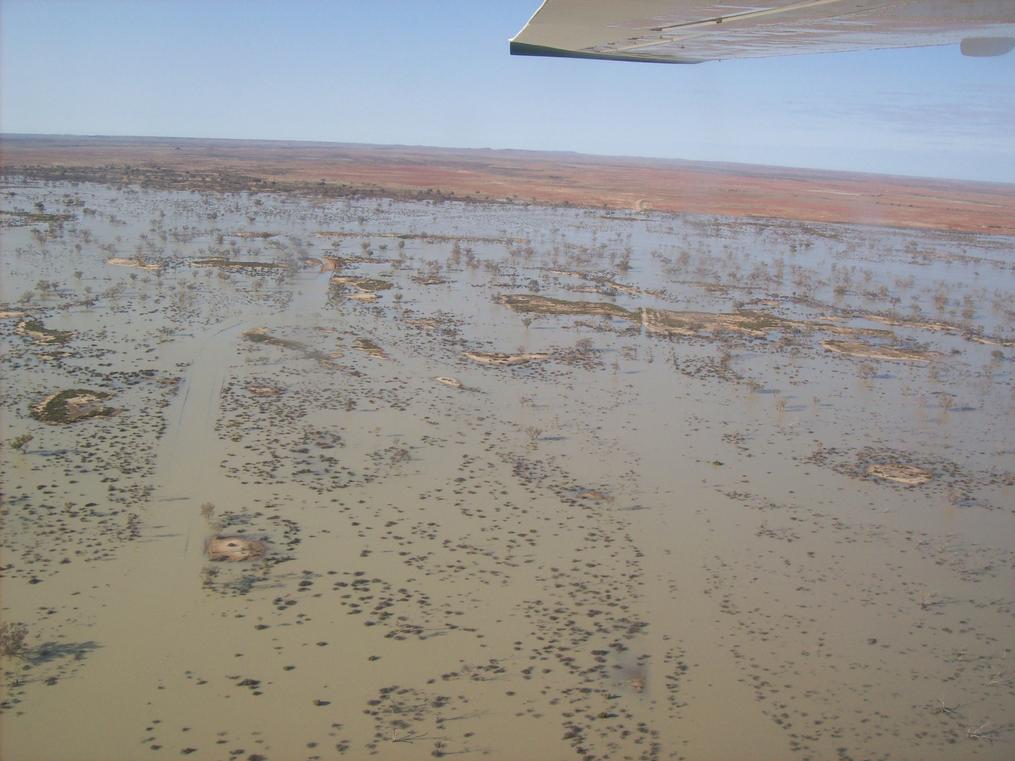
<point>692,31</point>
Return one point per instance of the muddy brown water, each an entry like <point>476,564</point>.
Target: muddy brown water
<point>643,546</point>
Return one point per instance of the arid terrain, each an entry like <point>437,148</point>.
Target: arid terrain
<point>695,470</point>
<point>334,169</point>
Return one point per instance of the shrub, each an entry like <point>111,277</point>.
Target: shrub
<point>12,639</point>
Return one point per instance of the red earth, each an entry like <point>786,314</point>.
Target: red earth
<point>738,190</point>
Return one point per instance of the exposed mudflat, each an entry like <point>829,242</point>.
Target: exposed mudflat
<point>415,479</point>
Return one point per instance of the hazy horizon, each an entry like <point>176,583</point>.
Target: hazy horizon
<point>442,76</point>
<point>501,149</point>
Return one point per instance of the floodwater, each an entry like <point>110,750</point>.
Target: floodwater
<point>664,536</point>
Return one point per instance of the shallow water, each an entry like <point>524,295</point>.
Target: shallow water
<point>642,547</point>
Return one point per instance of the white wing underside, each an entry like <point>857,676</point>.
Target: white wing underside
<point>690,31</point>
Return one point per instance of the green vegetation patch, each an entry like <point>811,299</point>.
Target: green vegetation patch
<point>757,324</point>
<point>72,405</point>
<point>525,302</point>
<point>368,284</point>
<point>761,322</point>
<point>253,234</point>
<point>39,332</point>
<point>233,264</point>
<point>20,218</point>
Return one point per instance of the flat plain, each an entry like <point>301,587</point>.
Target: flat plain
<point>308,457</point>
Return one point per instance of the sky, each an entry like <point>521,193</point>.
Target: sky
<point>438,73</point>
